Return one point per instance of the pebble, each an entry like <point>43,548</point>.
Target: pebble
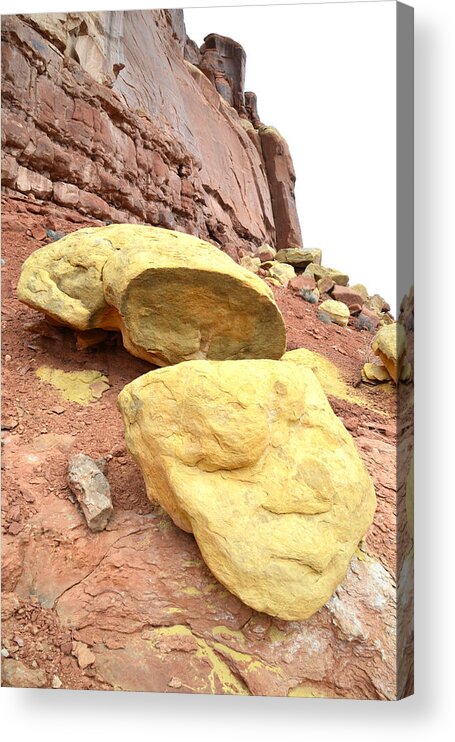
<point>56,682</point>
<point>15,528</point>
<point>4,652</point>
<point>175,683</point>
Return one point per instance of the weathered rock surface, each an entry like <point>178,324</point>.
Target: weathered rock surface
<point>319,271</point>
<point>299,257</point>
<point>336,311</point>
<point>17,675</point>
<point>88,483</point>
<point>390,345</point>
<point>172,296</point>
<point>281,272</point>
<point>253,447</point>
<point>281,179</point>
<point>368,320</point>
<point>84,125</point>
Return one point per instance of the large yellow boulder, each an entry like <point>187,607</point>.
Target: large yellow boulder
<point>390,345</point>
<point>249,456</point>
<point>172,296</point>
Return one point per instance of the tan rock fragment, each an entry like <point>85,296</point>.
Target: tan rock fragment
<point>372,373</point>
<point>266,252</point>
<point>390,345</point>
<point>83,654</point>
<point>359,288</point>
<point>320,271</point>
<point>336,311</point>
<point>172,296</point>
<point>249,456</point>
<point>281,272</point>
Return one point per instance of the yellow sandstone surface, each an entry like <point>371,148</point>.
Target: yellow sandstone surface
<point>172,296</point>
<point>249,456</point>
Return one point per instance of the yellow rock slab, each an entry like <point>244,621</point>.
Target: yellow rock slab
<point>390,345</point>
<point>172,296</point>
<point>249,456</point>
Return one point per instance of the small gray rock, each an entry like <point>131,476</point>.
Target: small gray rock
<point>90,486</point>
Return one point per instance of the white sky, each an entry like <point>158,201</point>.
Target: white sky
<point>325,77</point>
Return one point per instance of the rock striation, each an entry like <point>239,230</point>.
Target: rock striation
<point>119,115</point>
<point>253,447</point>
<point>172,296</point>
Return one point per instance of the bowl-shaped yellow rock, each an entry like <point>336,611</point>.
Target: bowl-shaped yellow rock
<point>172,296</point>
<point>249,456</point>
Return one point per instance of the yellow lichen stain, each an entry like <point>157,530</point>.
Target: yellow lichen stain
<point>305,691</point>
<point>246,660</point>
<point>276,635</point>
<point>326,373</point>
<point>191,591</point>
<point>229,683</point>
<point>219,669</point>
<point>81,387</point>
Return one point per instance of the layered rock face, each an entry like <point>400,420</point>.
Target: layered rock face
<point>120,115</point>
<point>253,447</point>
<point>172,296</point>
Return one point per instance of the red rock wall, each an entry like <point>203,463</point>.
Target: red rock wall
<point>101,112</point>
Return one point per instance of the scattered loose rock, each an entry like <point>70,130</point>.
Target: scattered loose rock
<point>302,282</point>
<point>348,296</point>
<point>281,272</point>
<point>336,311</point>
<point>83,654</point>
<point>92,490</point>
<point>319,271</point>
<point>17,675</point>
<point>265,253</point>
<point>298,256</point>
<point>251,264</point>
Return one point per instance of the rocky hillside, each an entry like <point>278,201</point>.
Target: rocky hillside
<point>119,117</point>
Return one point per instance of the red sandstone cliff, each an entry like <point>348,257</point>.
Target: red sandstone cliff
<point>121,116</point>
